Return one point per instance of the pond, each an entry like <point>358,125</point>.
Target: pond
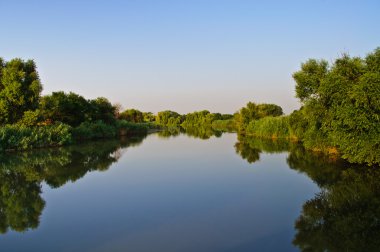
<point>171,191</point>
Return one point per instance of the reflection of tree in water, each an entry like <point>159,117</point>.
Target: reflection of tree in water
<point>22,174</point>
<point>20,202</point>
<point>322,169</point>
<point>250,148</point>
<point>202,132</point>
<point>169,132</point>
<point>345,215</point>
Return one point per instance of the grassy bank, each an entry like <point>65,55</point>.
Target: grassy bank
<point>290,128</point>
<point>19,137</point>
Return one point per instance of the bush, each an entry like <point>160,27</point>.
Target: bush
<point>20,137</point>
<point>270,127</point>
<point>97,130</point>
<point>126,128</point>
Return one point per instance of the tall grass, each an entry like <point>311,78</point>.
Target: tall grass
<point>271,127</point>
<point>19,137</point>
<point>97,130</point>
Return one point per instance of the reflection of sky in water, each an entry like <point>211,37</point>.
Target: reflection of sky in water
<point>177,194</point>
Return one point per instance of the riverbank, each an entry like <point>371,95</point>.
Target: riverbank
<point>19,137</point>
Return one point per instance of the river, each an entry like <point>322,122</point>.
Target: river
<point>177,192</point>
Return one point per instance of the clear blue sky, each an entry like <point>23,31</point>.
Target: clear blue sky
<point>183,55</point>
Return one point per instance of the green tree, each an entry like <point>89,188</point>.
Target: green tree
<point>253,111</point>
<point>102,110</point>
<point>309,78</point>
<point>169,118</point>
<point>20,89</point>
<point>149,117</point>
<point>70,108</point>
<point>132,115</point>
<point>341,106</point>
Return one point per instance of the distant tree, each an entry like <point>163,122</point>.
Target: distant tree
<point>102,110</point>
<point>69,108</point>
<point>20,89</point>
<point>149,117</point>
<point>253,111</point>
<point>169,118</point>
<point>118,108</point>
<point>227,116</point>
<point>132,115</point>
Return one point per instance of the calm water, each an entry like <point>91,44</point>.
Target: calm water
<point>183,193</point>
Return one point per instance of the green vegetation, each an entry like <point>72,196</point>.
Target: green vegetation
<point>252,112</point>
<point>270,127</point>
<point>132,115</point>
<point>341,106</point>
<point>20,89</point>
<point>340,110</point>
<point>29,120</point>
<point>20,137</point>
<point>73,109</point>
<point>169,118</point>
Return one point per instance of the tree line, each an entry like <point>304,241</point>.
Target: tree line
<point>340,112</point>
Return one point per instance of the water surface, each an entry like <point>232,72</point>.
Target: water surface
<point>184,193</point>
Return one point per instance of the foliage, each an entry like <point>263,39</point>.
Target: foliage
<point>270,127</point>
<point>128,128</point>
<point>30,118</point>
<point>71,108</point>
<point>149,117</point>
<point>132,115</point>
<point>74,109</point>
<point>20,89</point>
<point>253,112</point>
<point>102,110</point>
<point>20,137</point>
<point>169,118</point>
<point>200,118</point>
<point>96,130</point>
<point>341,104</point>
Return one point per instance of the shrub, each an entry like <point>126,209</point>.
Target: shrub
<point>97,130</point>
<point>20,137</point>
<point>270,127</point>
<point>126,128</point>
